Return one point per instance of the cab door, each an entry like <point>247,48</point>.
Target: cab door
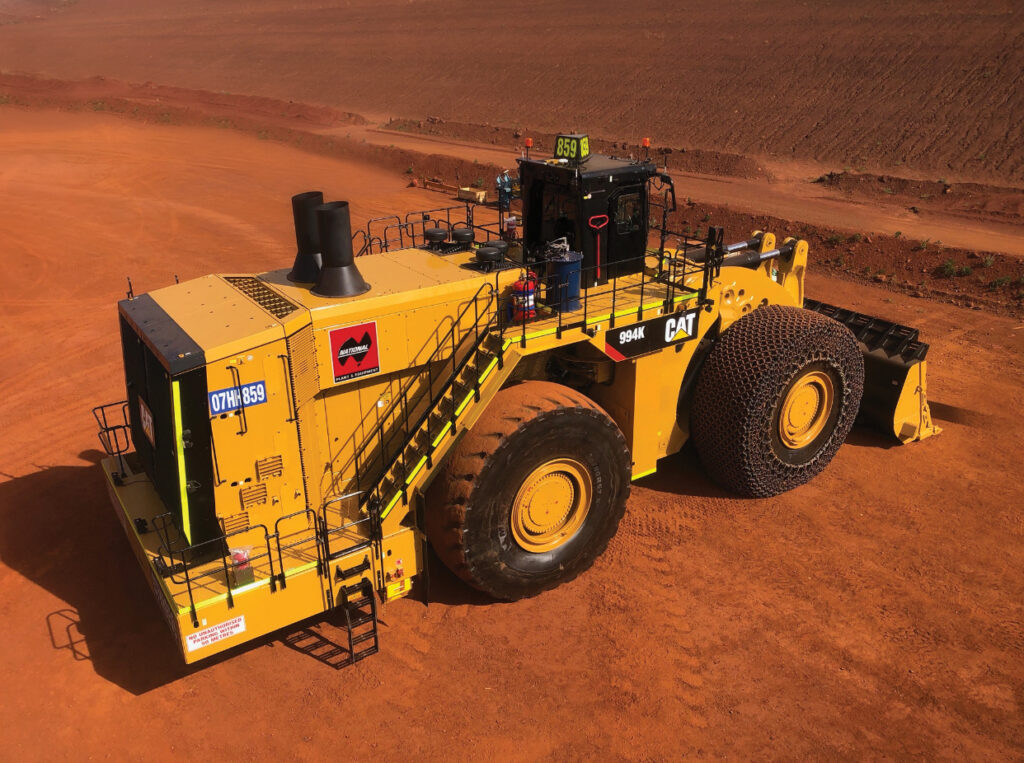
<point>627,230</point>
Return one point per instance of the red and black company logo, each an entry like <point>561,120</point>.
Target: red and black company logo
<point>354,351</point>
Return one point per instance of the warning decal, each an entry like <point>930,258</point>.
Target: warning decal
<point>354,351</point>
<point>208,636</point>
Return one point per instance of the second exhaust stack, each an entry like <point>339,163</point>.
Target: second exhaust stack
<point>307,264</point>
<point>339,276</point>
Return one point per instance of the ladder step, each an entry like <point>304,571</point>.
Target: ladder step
<point>362,587</point>
<point>363,619</point>
<point>461,389</point>
<point>359,603</point>
<point>365,653</point>
<point>350,550</point>
<point>387,488</point>
<point>413,453</point>
<point>363,566</point>
<point>363,637</point>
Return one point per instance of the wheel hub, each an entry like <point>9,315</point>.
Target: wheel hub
<point>805,409</point>
<point>551,505</point>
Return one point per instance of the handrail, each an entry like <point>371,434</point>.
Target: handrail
<point>193,548</point>
<point>401,402</point>
<point>114,437</point>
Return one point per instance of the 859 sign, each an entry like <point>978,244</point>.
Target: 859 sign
<point>572,147</point>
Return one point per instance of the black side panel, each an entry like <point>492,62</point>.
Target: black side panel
<point>148,387</point>
<point>148,382</point>
<point>195,422</point>
<point>175,349</point>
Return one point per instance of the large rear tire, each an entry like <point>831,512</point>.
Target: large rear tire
<point>533,492</point>
<point>775,400</point>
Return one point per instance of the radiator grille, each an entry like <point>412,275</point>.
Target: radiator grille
<point>305,386</point>
<point>262,295</point>
<point>301,351</point>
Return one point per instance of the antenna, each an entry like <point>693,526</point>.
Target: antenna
<point>131,292</point>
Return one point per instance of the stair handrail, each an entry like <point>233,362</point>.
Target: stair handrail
<point>400,400</point>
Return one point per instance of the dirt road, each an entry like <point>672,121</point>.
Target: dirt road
<point>876,611</point>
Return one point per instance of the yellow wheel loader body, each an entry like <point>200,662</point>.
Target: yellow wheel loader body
<point>271,459</point>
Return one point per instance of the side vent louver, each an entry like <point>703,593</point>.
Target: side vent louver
<point>253,495</point>
<point>269,467</point>
<point>235,522</point>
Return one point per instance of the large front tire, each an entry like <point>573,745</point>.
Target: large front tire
<point>775,400</point>
<point>532,493</point>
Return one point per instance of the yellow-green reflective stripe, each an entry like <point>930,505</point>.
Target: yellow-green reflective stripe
<point>645,474</point>
<point>247,587</point>
<point>487,371</point>
<point>437,440</point>
<point>464,403</point>
<point>390,506</point>
<point>186,522</point>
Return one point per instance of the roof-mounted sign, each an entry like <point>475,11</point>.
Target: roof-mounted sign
<point>573,148</point>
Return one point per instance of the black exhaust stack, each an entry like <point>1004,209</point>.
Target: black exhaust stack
<point>339,276</point>
<point>307,260</point>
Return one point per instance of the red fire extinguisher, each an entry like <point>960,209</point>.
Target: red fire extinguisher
<point>524,292</point>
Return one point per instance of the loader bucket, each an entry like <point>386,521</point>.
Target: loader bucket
<point>895,373</point>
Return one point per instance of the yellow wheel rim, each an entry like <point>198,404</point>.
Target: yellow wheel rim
<point>805,409</point>
<point>551,505</point>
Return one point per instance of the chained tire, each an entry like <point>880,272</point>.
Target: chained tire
<point>533,492</point>
<point>775,400</point>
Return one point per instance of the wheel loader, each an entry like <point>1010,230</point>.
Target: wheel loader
<point>484,381</point>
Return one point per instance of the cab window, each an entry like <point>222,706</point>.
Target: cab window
<point>628,213</point>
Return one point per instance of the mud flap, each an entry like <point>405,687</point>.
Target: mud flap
<point>895,374</point>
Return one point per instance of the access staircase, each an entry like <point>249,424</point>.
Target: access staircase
<point>470,362</point>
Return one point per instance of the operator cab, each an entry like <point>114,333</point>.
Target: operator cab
<point>599,204</point>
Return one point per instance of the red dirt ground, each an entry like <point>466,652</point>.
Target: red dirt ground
<point>865,86</point>
<point>876,612</point>
<point>857,615</point>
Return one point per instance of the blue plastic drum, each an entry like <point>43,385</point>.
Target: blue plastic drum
<point>563,281</point>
